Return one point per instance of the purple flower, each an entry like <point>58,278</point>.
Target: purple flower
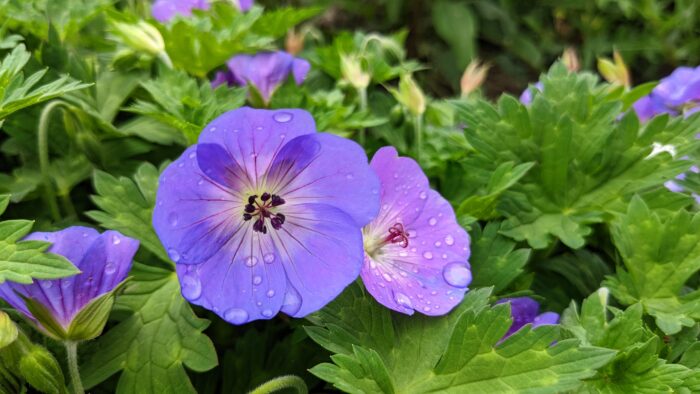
<point>165,10</point>
<point>526,96</point>
<point>265,215</point>
<point>264,71</point>
<point>415,251</point>
<point>243,5</point>
<point>525,310</point>
<point>104,259</point>
<point>675,94</point>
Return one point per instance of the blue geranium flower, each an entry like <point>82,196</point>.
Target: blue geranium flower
<point>103,259</point>
<point>678,93</point>
<point>264,71</point>
<point>265,215</point>
<point>525,310</point>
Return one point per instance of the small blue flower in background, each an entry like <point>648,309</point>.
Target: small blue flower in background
<point>265,215</point>
<point>416,254</point>
<point>525,310</point>
<point>526,96</point>
<point>678,93</point>
<point>264,71</point>
<point>165,10</point>
<point>103,259</point>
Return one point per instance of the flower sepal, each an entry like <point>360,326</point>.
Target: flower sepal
<point>87,323</point>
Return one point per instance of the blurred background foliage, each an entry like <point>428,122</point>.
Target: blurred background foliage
<point>520,39</point>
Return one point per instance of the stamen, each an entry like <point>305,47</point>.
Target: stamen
<point>397,235</point>
<point>262,209</point>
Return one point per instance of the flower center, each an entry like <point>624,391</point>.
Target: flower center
<point>397,235</point>
<point>261,209</point>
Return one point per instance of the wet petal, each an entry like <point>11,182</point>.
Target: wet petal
<point>323,168</point>
<point>297,269</point>
<point>194,215</point>
<point>251,138</point>
<point>264,70</point>
<point>546,318</point>
<point>300,68</point>
<point>165,10</point>
<point>432,273</point>
<point>404,189</point>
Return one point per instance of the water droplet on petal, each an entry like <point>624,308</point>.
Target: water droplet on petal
<point>257,280</point>
<point>181,164</point>
<point>292,301</point>
<point>192,155</point>
<point>270,293</point>
<point>385,207</point>
<point>200,181</point>
<point>457,275</point>
<point>172,219</point>
<point>428,255</point>
<point>426,309</point>
<point>46,284</point>
<point>423,195</point>
<point>282,117</point>
<point>449,240</point>
<point>438,243</point>
<point>396,175</point>
<point>110,268</point>
<point>403,253</point>
<point>386,277</point>
<point>269,258</point>
<point>349,176</point>
<point>174,255</point>
<point>85,235</point>
<point>403,300</point>
<point>251,261</point>
<point>116,240</point>
<point>191,287</point>
<point>65,284</point>
<point>432,221</point>
<point>236,316</point>
<point>267,313</point>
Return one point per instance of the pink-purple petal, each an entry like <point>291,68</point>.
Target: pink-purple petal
<point>165,10</point>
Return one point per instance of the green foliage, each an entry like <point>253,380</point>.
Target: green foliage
<point>23,261</point>
<point>186,104</point>
<point>377,351</point>
<point>23,361</point>
<point>638,366</point>
<point>127,205</point>
<point>659,255</point>
<point>494,259</point>
<point>586,158</point>
<point>16,92</point>
<point>155,342</point>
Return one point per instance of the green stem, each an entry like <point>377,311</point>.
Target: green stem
<point>418,140</point>
<point>362,94</point>
<point>43,147</point>
<point>280,383</point>
<point>68,205</point>
<point>72,353</point>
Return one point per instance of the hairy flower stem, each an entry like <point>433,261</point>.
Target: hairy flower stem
<point>72,354</point>
<point>43,148</point>
<point>280,383</point>
<point>362,95</point>
<point>418,135</point>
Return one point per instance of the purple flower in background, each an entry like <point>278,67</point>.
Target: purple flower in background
<point>525,310</point>
<point>104,259</point>
<point>677,93</point>
<point>416,254</point>
<point>265,215</point>
<point>243,5</point>
<point>165,10</point>
<point>526,96</point>
<point>264,71</point>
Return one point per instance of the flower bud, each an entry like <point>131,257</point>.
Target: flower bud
<point>41,370</point>
<point>473,77</point>
<point>351,69</point>
<point>8,330</point>
<point>570,59</point>
<point>410,95</point>
<point>614,71</point>
<point>142,36</point>
<point>294,42</point>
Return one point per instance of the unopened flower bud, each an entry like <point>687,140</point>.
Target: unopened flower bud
<point>473,76</point>
<point>351,69</point>
<point>294,42</point>
<point>570,59</point>
<point>410,95</point>
<point>614,71</point>
<point>142,36</point>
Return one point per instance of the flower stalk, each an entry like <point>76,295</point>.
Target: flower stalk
<point>281,383</point>
<point>73,371</point>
